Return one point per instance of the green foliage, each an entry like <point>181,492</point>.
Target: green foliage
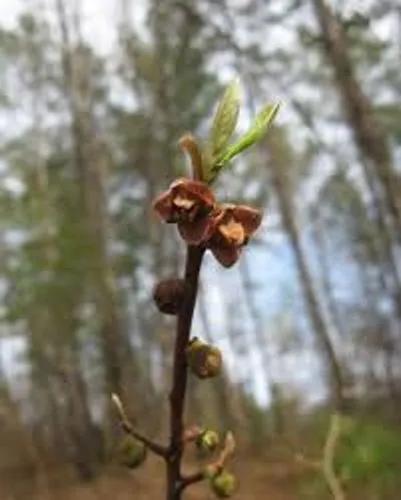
<point>219,153</point>
<point>258,129</point>
<point>225,120</point>
<point>368,460</point>
<point>370,454</point>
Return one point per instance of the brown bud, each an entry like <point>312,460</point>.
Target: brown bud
<point>223,484</point>
<point>204,360</point>
<point>168,295</point>
<point>131,452</point>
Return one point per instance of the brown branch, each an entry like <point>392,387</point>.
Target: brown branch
<point>192,479</point>
<point>129,429</point>
<point>180,375</point>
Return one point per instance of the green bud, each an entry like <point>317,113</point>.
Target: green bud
<point>205,361</point>
<point>209,472</point>
<point>131,452</point>
<point>208,441</point>
<point>223,484</point>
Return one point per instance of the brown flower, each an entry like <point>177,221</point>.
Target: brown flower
<point>231,229</point>
<point>187,203</point>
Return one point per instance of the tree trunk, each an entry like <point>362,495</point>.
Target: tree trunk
<point>91,168</point>
<point>278,168</point>
<point>369,136</point>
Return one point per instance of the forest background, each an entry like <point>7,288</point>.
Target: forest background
<point>93,99</point>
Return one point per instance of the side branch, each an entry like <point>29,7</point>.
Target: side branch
<point>129,429</point>
<point>192,479</point>
<point>215,467</point>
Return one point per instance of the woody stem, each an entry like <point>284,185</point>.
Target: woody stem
<point>180,374</point>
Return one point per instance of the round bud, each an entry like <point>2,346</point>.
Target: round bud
<point>131,452</point>
<point>223,484</point>
<point>168,295</point>
<point>208,441</point>
<point>204,360</point>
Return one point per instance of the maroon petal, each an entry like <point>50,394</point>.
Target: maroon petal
<point>196,189</point>
<point>250,218</point>
<point>194,232</point>
<point>163,206</point>
<point>226,255</point>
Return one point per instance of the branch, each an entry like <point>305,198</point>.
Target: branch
<point>192,479</point>
<point>180,372</point>
<point>129,429</point>
<point>329,472</point>
<point>215,467</point>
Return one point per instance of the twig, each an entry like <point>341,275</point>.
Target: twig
<point>326,464</point>
<point>192,479</point>
<point>215,467</point>
<point>308,462</point>
<point>129,429</point>
<point>329,473</point>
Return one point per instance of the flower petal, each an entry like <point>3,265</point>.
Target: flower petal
<point>196,189</point>
<point>164,207</point>
<point>194,232</point>
<point>226,255</point>
<point>249,217</point>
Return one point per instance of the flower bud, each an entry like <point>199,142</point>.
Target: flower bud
<point>207,441</point>
<point>223,484</point>
<point>131,452</point>
<point>204,360</point>
<point>168,295</point>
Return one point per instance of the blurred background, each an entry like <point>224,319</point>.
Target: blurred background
<point>93,98</point>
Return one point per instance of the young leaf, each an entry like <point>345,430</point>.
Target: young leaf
<point>258,129</point>
<point>225,119</point>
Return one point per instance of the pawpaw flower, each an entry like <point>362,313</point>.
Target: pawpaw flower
<point>230,231</point>
<point>187,203</point>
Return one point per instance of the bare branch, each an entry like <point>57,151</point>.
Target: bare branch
<point>129,429</point>
<point>215,467</point>
<point>329,472</point>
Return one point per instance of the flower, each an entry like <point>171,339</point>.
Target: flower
<point>187,203</point>
<point>230,231</point>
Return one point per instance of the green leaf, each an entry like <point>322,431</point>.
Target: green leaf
<point>258,129</point>
<point>225,119</point>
